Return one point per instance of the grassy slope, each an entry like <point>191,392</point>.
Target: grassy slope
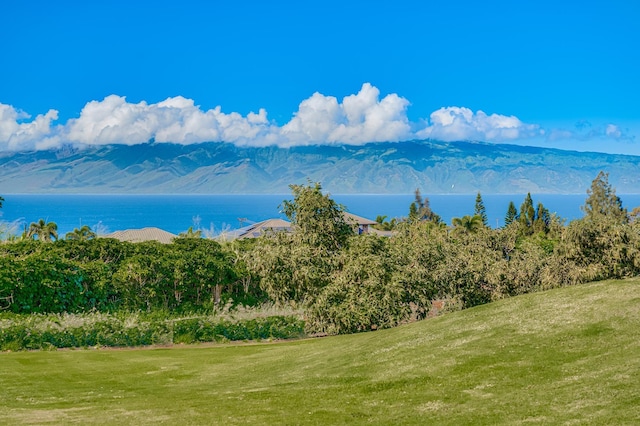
<point>566,356</point>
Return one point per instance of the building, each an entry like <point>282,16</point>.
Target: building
<point>260,228</point>
<point>141,235</point>
<point>359,224</point>
<point>362,224</point>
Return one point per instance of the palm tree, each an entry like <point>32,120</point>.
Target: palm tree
<point>1,200</point>
<point>83,234</point>
<point>45,231</point>
<point>385,225</point>
<point>190,233</point>
<point>467,223</point>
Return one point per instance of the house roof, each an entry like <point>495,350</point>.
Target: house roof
<point>353,219</point>
<point>141,235</point>
<point>260,228</point>
<point>276,225</point>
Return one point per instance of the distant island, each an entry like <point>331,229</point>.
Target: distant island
<point>375,168</point>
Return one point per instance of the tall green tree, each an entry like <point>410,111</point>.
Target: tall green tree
<point>363,293</point>
<point>527,212</point>
<point>1,201</point>
<point>295,267</point>
<point>420,210</point>
<point>44,231</point>
<point>603,201</point>
<point>316,218</point>
<point>481,211</point>
<point>542,221</point>
<point>512,214</point>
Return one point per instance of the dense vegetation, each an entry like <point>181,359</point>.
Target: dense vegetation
<point>348,283</point>
<point>108,275</point>
<point>342,281</point>
<point>94,329</point>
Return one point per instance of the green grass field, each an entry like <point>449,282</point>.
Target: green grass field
<point>567,356</point>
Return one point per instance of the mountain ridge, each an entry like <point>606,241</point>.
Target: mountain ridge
<point>376,168</point>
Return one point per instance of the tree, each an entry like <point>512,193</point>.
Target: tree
<point>200,267</point>
<point>527,212</point>
<point>512,214</point>
<point>603,201</point>
<point>467,223</point>
<point>83,234</point>
<point>295,267</point>
<point>481,211</point>
<point>190,233</point>
<point>1,201</point>
<point>45,231</point>
<point>602,244</point>
<point>420,210</point>
<point>385,225</point>
<point>363,294</point>
<point>542,220</point>
<point>316,218</point>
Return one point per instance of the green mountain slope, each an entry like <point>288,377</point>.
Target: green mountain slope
<point>567,356</point>
<point>218,168</point>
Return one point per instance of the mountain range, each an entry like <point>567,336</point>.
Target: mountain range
<point>376,168</point>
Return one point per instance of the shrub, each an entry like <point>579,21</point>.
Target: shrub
<point>38,331</point>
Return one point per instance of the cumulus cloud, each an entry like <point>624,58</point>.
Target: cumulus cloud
<point>613,131</point>
<point>17,133</point>
<point>456,123</point>
<point>320,119</point>
<point>178,120</point>
<point>359,119</point>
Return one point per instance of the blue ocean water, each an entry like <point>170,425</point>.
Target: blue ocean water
<point>217,213</point>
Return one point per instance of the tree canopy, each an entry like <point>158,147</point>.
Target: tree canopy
<point>316,218</point>
<point>603,201</point>
<point>81,234</point>
<point>420,210</point>
<point>467,223</point>
<point>43,231</point>
<point>481,211</point>
<point>512,214</point>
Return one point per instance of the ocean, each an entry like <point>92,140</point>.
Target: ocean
<point>218,213</point>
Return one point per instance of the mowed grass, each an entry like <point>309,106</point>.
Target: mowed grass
<point>567,356</point>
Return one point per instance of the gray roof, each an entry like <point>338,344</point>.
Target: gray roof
<point>260,228</point>
<point>353,219</point>
<point>276,225</point>
<point>144,234</point>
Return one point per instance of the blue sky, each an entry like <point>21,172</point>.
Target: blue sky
<point>547,73</point>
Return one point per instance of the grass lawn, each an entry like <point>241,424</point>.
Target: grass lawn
<point>567,356</point>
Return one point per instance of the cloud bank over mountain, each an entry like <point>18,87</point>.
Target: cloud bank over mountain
<point>320,120</point>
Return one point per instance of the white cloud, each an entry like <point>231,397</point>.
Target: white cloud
<point>613,131</point>
<point>456,123</point>
<point>16,133</point>
<point>114,120</point>
<point>357,119</point>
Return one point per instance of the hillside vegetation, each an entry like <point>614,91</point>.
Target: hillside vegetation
<point>393,167</point>
<point>342,278</point>
<point>565,356</point>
